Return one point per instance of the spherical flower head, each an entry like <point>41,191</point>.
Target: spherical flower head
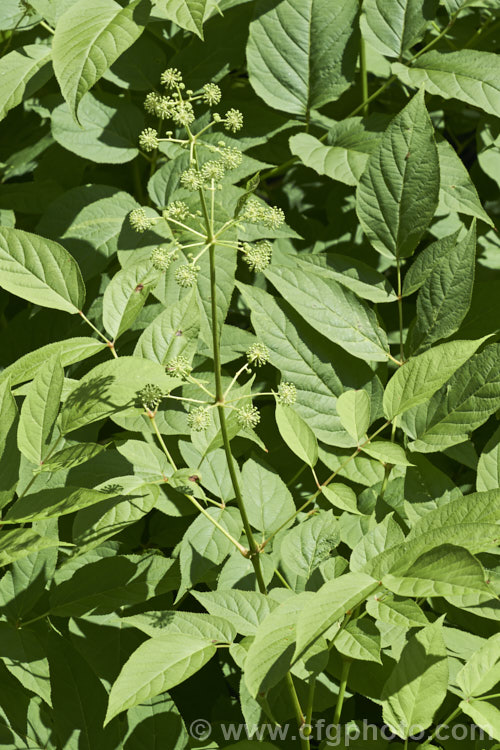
<point>164,107</point>
<point>252,211</point>
<point>139,221</point>
<point>248,416</point>
<point>212,170</point>
<point>258,353</point>
<point>183,113</point>
<point>179,366</point>
<point>171,77</point>
<point>258,254</point>
<point>287,393</point>
<point>161,258</point>
<point>231,157</point>
<point>186,275</point>
<point>273,217</point>
<point>176,210</point>
<point>148,139</point>
<point>191,179</point>
<point>233,120</point>
<point>211,94</point>
<point>150,102</point>
<point>150,396</point>
<point>199,419</point>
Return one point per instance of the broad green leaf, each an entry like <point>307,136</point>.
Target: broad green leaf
<point>481,672</point>
<point>484,714</point>
<point>301,57</point>
<point>418,683</point>
<point>393,27</point>
<point>102,586</point>
<point>198,624</point>
<point>126,295</point>
<point>306,358</point>
<point>297,434</point>
<point>310,543</point>
<point>243,609</point>
<point>383,536</point>
<point>457,192</point>
<point>89,37</point>
<point>188,14</point>
<point>157,665</point>
<point>22,72</point>
<point>72,455</point>
<point>405,614</point>
<point>474,509</point>
<point>420,377</point>
<point>22,542</point>
<point>40,271</point>
<point>426,261</point>
<point>329,606</point>
<point>24,656</point>
<point>443,571</point>
<point>173,333</point>
<point>108,131</point>
<point>353,408</point>
<point>445,296</point>
<point>39,412</point>
<point>336,161</point>
<point>270,655</point>
<point>398,191</point>
<point>29,578</point>
<point>333,310</point>
<point>387,452</point>
<point>341,496</point>
<point>112,387</point>
<point>69,351</point>
<point>469,398</point>
<point>488,468</point>
<point>151,721</point>
<point>53,503</point>
<point>468,75</point>
<point>268,501</point>
<point>9,454</point>
<point>360,639</point>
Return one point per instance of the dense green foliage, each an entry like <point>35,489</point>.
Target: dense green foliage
<point>250,374</point>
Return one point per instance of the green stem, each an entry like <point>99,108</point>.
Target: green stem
<point>310,703</point>
<point>162,442</point>
<point>447,721</point>
<point>304,741</point>
<point>101,335</point>
<point>364,76</point>
<point>346,666</point>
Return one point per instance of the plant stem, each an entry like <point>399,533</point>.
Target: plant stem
<point>162,442</point>
<point>304,741</point>
<point>364,76</point>
<point>450,718</point>
<point>101,335</point>
<point>346,666</point>
<point>310,702</point>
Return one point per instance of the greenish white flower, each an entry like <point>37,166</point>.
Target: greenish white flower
<point>191,179</point>
<point>150,396</point>
<point>212,170</point>
<point>231,157</point>
<point>248,416</point>
<point>171,77</point>
<point>176,210</point>
<point>199,419</point>
<point>233,120</point>
<point>186,275</point>
<point>148,139</point>
<point>258,353</point>
<point>211,94</point>
<point>257,254</point>
<point>183,113</point>
<point>287,393</point>
<point>161,258</point>
<point>139,221</point>
<point>179,366</point>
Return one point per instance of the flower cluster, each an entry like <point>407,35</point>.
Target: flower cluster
<point>139,221</point>
<point>179,366</point>
<point>258,353</point>
<point>176,210</point>
<point>161,258</point>
<point>187,274</point>
<point>150,396</point>
<point>287,393</point>
<point>257,254</point>
<point>199,419</point>
<point>248,416</point>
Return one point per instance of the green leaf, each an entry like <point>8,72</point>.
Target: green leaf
<point>268,501</point>
<point>481,672</point>
<point>69,351</point>
<point>270,655</point>
<point>188,14</point>
<point>243,609</point>
<point>126,295</point>
<point>446,294</point>
<point>24,656</point>
<point>421,376</point>
<point>426,261</point>
<point>39,412</point>
<point>393,27</point>
<point>9,454</point>
<point>360,640</point>
<point>353,408</point>
<point>22,542</point>
<point>72,455</point>
<point>418,683</point>
<point>457,192</point>
<point>340,163</point>
<point>469,398</point>
<point>329,605</point>
<point>22,72</point>
<point>198,624</point>
<point>107,132</point>
<point>384,535</point>
<point>297,434</point>
<point>404,614</point>
<point>387,452</point>
<point>341,496</point>
<point>399,189</point>
<point>53,503</point>
<point>484,714</point>
<point>89,37</point>
<point>488,467</point>
<point>443,571</point>
<point>173,333</point>
<point>333,310</point>
<point>309,543</point>
<point>40,271</point>
<point>157,665</point>
<point>468,75</point>
<point>301,57</point>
